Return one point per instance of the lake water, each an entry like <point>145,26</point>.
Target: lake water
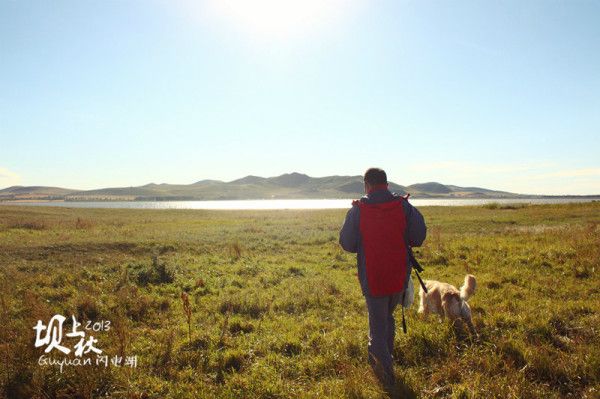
<point>287,203</point>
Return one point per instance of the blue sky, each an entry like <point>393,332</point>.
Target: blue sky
<point>499,94</point>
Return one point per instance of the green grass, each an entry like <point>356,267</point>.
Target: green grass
<point>276,307</point>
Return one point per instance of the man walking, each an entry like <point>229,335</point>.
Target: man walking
<point>381,228</point>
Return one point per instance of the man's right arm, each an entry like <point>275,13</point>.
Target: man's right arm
<point>349,234</point>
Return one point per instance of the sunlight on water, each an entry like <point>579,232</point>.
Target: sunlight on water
<point>287,203</point>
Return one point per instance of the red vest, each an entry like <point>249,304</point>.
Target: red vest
<point>382,227</point>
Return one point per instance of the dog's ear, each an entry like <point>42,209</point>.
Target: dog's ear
<point>448,296</point>
<point>451,305</point>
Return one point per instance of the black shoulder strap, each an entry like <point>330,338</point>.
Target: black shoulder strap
<point>417,267</point>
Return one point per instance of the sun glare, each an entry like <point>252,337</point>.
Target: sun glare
<point>279,19</point>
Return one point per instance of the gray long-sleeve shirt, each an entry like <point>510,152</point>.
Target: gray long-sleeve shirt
<point>350,237</point>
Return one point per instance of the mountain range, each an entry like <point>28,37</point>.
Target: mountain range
<point>287,186</point>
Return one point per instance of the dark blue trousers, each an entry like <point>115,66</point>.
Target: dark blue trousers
<point>382,329</point>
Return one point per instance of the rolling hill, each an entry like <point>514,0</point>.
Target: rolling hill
<point>290,185</point>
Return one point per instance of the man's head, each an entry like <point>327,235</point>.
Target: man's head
<point>374,177</point>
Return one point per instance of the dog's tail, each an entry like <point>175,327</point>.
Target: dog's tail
<point>468,287</point>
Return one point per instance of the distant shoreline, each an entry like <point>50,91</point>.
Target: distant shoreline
<point>297,204</point>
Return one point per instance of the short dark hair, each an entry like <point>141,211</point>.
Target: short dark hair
<point>375,176</point>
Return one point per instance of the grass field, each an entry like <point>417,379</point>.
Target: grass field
<point>275,310</point>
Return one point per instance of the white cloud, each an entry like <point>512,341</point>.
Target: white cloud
<point>526,178</point>
<point>577,181</point>
<point>476,169</point>
<point>582,172</point>
<point>8,178</point>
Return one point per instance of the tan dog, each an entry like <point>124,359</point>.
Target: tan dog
<point>445,300</point>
